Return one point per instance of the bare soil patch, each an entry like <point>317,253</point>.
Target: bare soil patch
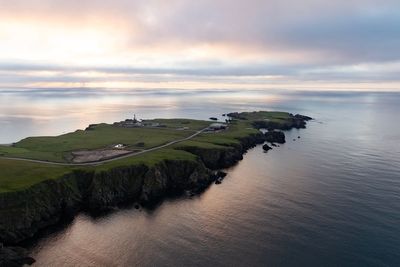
<point>96,155</point>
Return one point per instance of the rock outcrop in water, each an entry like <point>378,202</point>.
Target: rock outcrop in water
<point>266,147</point>
<point>275,137</point>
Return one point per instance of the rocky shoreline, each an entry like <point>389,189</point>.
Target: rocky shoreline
<point>25,213</point>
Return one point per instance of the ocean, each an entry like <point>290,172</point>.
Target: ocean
<point>328,198</point>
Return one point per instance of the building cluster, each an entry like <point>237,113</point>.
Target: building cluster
<point>217,126</point>
<point>131,123</point>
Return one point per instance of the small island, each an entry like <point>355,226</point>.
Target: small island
<point>43,179</point>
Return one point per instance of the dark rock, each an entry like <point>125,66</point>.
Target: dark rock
<point>273,144</point>
<point>266,147</point>
<point>218,176</point>
<point>213,118</point>
<point>298,137</point>
<point>189,193</point>
<point>302,117</point>
<point>275,137</point>
<point>14,256</point>
<point>221,174</point>
<point>236,115</point>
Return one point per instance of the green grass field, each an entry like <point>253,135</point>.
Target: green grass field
<point>178,123</point>
<point>59,148</point>
<point>17,175</point>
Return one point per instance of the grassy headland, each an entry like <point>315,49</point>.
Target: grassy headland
<point>41,181</point>
<point>18,175</point>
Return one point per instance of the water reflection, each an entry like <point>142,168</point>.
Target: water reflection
<point>330,198</point>
<point>49,112</point>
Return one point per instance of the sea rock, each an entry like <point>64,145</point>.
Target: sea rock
<point>266,147</point>
<point>221,174</point>
<point>275,137</point>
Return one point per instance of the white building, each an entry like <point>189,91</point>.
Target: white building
<point>217,126</point>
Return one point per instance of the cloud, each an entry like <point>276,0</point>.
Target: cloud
<point>298,40</point>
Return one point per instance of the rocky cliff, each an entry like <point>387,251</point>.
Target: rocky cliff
<point>24,213</point>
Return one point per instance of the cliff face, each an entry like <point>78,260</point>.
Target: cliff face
<point>24,213</point>
<point>115,186</point>
<point>174,177</point>
<point>217,158</point>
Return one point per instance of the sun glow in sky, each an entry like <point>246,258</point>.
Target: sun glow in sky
<point>204,44</point>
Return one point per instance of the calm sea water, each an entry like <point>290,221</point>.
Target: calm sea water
<point>330,198</point>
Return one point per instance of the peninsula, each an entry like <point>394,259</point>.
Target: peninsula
<point>43,179</point>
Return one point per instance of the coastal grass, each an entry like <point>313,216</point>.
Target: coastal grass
<point>149,159</point>
<point>278,117</point>
<point>195,125</point>
<point>102,136</point>
<point>19,152</point>
<point>229,137</point>
<point>16,175</point>
<point>200,144</point>
<point>260,115</point>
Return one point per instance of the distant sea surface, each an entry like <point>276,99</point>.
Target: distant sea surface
<point>328,198</point>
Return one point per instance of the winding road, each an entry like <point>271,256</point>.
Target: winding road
<point>98,162</point>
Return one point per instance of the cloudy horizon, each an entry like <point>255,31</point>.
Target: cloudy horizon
<point>208,44</point>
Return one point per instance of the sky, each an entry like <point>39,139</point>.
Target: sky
<point>309,44</point>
